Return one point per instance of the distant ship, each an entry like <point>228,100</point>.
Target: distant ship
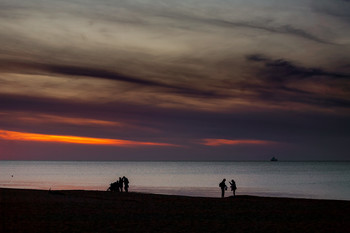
<point>274,159</point>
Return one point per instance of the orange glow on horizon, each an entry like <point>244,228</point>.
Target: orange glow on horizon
<point>22,136</point>
<point>222,142</point>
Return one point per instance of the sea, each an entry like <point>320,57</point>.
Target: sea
<point>316,180</point>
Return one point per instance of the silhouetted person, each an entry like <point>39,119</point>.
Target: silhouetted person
<point>223,187</point>
<point>117,186</point>
<point>126,184</point>
<point>120,184</point>
<point>233,187</point>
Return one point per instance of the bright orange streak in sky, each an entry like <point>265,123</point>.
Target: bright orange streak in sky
<point>221,142</point>
<point>21,136</point>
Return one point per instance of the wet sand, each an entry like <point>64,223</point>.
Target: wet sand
<point>96,211</point>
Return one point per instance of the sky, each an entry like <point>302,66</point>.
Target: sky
<point>174,80</point>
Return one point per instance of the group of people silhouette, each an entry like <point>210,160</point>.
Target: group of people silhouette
<point>223,187</point>
<point>119,184</point>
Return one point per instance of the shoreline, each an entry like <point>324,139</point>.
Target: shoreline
<point>211,192</point>
<point>28,210</point>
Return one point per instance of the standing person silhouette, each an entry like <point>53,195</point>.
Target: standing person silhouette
<point>223,187</point>
<point>126,184</point>
<point>116,187</point>
<point>120,184</point>
<point>233,187</point>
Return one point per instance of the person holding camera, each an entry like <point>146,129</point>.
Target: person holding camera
<point>223,187</point>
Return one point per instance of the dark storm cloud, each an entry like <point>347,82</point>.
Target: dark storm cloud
<point>280,69</point>
<point>104,74</point>
<point>271,86</point>
<point>283,81</point>
<point>74,71</point>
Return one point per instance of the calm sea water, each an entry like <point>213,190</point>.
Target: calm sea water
<point>320,180</point>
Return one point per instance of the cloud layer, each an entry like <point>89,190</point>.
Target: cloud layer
<point>179,72</point>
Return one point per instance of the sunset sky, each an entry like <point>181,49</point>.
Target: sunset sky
<point>174,80</point>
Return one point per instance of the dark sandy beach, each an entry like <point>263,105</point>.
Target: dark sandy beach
<point>96,211</point>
